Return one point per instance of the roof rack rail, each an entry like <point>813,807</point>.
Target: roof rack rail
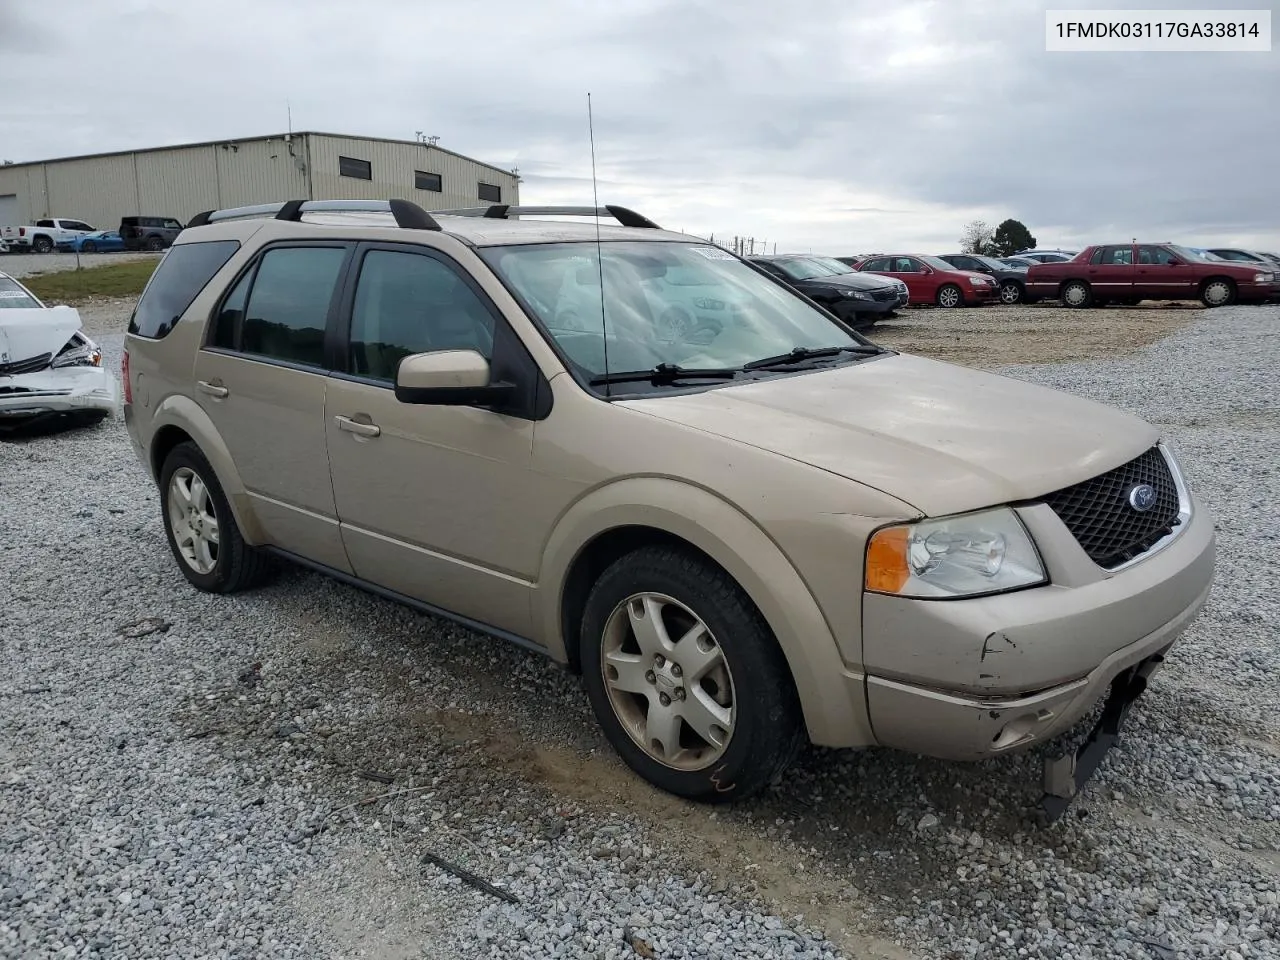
<point>502,211</point>
<point>407,214</point>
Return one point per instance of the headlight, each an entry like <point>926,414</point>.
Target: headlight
<point>962,556</point>
<point>82,355</point>
<point>1263,277</point>
<point>978,281</point>
<point>856,294</point>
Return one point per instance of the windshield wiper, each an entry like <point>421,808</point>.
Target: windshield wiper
<point>666,373</point>
<point>800,354</point>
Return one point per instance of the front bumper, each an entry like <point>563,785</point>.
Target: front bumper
<point>59,390</point>
<point>983,294</point>
<point>992,674</point>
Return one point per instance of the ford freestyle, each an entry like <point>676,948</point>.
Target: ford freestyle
<point>743,530</point>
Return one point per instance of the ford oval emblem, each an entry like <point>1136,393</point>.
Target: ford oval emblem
<point>1142,497</point>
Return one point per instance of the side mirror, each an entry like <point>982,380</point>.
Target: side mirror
<point>449,377</point>
<point>926,270</point>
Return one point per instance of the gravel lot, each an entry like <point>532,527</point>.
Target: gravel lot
<point>189,776</point>
<point>25,264</point>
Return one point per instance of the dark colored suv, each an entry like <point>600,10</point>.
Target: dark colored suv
<point>149,233</point>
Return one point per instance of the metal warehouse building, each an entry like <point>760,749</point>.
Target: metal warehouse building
<point>183,180</point>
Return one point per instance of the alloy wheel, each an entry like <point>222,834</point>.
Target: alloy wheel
<point>1010,293</point>
<point>948,297</point>
<point>668,681</point>
<point>193,520</point>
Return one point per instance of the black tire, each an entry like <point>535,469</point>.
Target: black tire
<point>951,294</point>
<point>1076,294</point>
<point>768,728</point>
<point>238,566</point>
<point>88,246</point>
<point>154,243</point>
<point>1011,292</point>
<point>1218,292</point>
<point>42,245</point>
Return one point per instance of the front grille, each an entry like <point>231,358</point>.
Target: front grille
<point>30,365</point>
<point>1099,515</point>
<point>886,294</point>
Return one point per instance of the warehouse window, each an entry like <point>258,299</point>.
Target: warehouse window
<point>490,193</point>
<point>350,167</point>
<point>428,181</point>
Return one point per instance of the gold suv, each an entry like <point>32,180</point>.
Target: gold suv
<point>640,455</point>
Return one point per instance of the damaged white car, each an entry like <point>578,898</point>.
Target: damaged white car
<point>49,368</point>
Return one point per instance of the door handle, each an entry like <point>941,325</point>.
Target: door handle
<point>358,428</point>
<point>212,389</point>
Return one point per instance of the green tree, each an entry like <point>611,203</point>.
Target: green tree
<point>1012,236</point>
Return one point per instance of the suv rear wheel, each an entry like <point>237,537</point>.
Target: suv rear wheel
<point>201,529</point>
<point>154,243</point>
<point>686,678</point>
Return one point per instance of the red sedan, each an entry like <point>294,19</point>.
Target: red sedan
<point>931,280</point>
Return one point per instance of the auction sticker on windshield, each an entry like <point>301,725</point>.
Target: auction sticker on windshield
<point>715,253</point>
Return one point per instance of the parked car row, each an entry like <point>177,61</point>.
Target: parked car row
<point>1124,274</point>
<point>61,233</point>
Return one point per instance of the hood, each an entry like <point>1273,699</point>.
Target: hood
<point>942,438</point>
<point>32,331</point>
<point>854,281</point>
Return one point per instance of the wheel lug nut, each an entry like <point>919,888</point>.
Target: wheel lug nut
<point>651,677</point>
<point>680,693</point>
<point>675,670</point>
<point>664,700</point>
<point>659,661</point>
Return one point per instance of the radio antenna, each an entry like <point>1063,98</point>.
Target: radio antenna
<point>595,203</point>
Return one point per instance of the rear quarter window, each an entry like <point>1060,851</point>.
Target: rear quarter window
<point>183,272</point>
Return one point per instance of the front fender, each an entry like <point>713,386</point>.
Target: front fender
<point>833,698</point>
<point>184,413</point>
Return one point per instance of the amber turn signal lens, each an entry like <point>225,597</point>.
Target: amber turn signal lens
<point>887,567</point>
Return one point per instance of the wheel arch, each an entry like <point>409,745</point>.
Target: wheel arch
<point>1232,282</point>
<point>620,517</point>
<point>177,419</point>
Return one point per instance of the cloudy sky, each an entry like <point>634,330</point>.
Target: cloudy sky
<point>841,126</point>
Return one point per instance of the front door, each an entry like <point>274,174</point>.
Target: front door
<point>1110,272</point>
<point>922,283</point>
<point>1160,273</point>
<point>431,499</point>
<point>261,378</point>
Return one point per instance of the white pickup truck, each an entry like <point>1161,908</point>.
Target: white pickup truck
<point>44,234</point>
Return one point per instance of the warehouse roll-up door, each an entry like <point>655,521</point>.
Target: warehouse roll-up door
<point>8,209</point>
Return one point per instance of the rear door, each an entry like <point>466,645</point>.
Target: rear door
<point>1111,272</point>
<point>262,376</point>
<point>1159,273</point>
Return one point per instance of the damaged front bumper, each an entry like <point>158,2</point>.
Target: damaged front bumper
<point>58,390</point>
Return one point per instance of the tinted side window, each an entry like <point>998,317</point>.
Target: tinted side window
<point>879,263</point>
<point>289,304</point>
<point>410,303</point>
<point>230,318</point>
<point>1117,256</point>
<point>183,272</point>
<point>173,224</point>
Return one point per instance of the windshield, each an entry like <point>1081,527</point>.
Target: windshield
<point>832,264</point>
<point>803,268</point>
<point>991,262</point>
<point>691,305</point>
<point>14,297</point>
<point>1188,254</point>
<point>937,263</point>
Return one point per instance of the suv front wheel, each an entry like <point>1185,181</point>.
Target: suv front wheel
<point>686,678</point>
<point>201,529</point>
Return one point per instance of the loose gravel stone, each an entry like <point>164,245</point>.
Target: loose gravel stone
<point>198,790</point>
